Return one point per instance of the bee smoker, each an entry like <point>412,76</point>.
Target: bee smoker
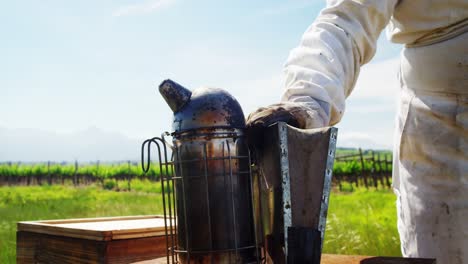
<point>208,185</point>
<point>216,209</point>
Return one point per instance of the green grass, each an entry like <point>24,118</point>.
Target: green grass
<point>361,222</point>
<point>58,202</point>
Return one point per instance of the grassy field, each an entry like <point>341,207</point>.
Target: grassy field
<point>57,202</point>
<point>360,222</point>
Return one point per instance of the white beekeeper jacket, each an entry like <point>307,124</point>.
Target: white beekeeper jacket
<point>431,141</point>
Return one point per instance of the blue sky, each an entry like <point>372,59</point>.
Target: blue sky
<point>69,65</point>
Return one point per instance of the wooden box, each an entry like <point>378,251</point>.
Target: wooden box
<point>91,240</point>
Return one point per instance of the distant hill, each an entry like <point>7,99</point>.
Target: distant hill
<point>91,144</point>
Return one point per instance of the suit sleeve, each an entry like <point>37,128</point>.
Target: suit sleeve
<point>322,70</point>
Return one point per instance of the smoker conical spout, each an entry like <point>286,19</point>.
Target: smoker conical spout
<point>175,94</point>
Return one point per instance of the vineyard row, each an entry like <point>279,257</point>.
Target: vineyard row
<point>365,169</point>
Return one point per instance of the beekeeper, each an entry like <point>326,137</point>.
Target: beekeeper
<point>430,176</point>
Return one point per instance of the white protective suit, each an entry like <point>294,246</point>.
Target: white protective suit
<point>431,140</point>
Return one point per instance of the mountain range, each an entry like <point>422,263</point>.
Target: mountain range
<point>93,144</point>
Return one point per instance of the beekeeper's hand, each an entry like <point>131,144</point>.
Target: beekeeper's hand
<point>298,114</point>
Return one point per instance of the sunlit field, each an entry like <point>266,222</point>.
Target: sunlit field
<point>359,222</point>
<point>362,222</point>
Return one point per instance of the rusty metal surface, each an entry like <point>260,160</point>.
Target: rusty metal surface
<point>269,200</point>
<point>203,107</point>
<point>175,94</point>
<point>209,191</point>
<point>214,182</point>
<point>299,161</point>
<point>327,181</point>
<point>285,181</point>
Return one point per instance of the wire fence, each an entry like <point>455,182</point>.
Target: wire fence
<point>366,168</point>
<point>41,173</point>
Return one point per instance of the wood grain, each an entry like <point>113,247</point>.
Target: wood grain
<point>101,229</point>
<point>94,240</point>
<point>44,248</point>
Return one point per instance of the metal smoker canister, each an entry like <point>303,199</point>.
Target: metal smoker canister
<point>212,171</point>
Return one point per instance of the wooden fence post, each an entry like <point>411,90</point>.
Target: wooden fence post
<point>374,168</point>
<point>62,174</point>
<point>8,178</point>
<point>75,174</point>
<point>101,179</point>
<point>39,178</point>
<point>129,177</point>
<point>49,176</point>
<point>363,174</point>
<point>383,171</point>
<point>388,174</point>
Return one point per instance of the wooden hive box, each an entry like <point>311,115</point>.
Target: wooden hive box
<point>132,239</point>
<point>92,240</point>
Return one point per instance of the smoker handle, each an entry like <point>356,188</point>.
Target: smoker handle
<point>147,144</point>
<point>304,245</point>
<point>162,150</point>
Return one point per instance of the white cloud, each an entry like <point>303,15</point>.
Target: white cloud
<point>251,78</point>
<point>253,94</point>
<point>376,107</point>
<point>378,80</point>
<point>370,110</point>
<point>142,8</point>
<point>376,89</point>
<point>361,140</point>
